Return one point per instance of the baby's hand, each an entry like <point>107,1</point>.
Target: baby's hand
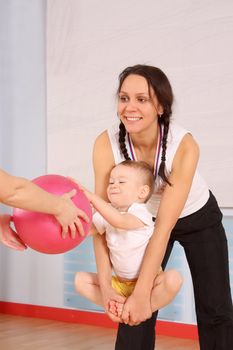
<point>82,188</point>
<point>87,193</point>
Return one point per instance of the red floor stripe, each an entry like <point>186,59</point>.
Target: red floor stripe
<point>173,329</point>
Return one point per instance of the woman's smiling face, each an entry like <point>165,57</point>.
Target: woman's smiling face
<point>138,107</point>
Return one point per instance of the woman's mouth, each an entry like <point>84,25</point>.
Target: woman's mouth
<point>132,118</point>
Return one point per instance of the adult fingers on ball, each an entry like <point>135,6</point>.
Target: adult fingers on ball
<point>80,227</point>
<point>73,230</point>
<point>83,215</point>
<point>65,230</point>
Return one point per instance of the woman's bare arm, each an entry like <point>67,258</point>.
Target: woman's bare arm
<point>22,193</point>
<point>172,203</point>
<point>103,162</point>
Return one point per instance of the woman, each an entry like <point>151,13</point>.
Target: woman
<point>184,207</point>
<point>21,193</point>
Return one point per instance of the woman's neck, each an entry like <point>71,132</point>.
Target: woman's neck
<point>145,144</point>
<point>145,139</point>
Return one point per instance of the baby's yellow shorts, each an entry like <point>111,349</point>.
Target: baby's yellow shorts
<point>124,288</point>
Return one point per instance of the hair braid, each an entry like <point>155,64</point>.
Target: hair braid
<point>164,120</point>
<point>121,140</point>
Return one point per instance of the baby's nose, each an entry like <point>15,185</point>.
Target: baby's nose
<point>113,185</point>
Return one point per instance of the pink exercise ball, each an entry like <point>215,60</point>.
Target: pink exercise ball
<point>42,232</point>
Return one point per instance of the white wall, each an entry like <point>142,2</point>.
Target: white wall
<point>90,42</point>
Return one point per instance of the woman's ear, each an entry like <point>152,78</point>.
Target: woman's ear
<point>160,110</point>
<point>143,192</point>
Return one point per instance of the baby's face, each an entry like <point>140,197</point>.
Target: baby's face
<point>124,186</point>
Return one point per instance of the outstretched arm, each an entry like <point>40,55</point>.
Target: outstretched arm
<point>21,193</point>
<point>125,221</point>
<point>103,162</point>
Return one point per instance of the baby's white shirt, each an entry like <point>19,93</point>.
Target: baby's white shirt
<point>127,248</point>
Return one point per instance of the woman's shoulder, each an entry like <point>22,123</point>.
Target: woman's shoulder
<point>102,151</point>
<point>102,143</point>
<point>179,136</point>
<point>176,132</point>
<point>110,137</point>
<point>109,133</point>
<point>102,137</point>
<point>113,133</point>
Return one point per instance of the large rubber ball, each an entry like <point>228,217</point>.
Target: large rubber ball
<point>42,232</point>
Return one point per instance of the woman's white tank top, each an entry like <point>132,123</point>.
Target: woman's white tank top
<point>199,192</point>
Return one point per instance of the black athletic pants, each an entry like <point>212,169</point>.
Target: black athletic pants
<point>204,241</point>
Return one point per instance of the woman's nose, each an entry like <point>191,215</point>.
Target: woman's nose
<point>131,106</point>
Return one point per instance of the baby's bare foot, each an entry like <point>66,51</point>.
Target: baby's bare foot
<point>119,308</point>
<point>112,307</point>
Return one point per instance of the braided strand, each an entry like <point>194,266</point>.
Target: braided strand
<point>164,120</point>
<point>122,134</point>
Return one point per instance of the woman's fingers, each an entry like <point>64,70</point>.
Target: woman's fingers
<point>83,215</point>
<point>74,229</point>
<point>11,239</point>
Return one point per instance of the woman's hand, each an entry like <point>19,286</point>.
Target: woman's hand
<point>8,236</point>
<point>69,216</point>
<point>136,310</point>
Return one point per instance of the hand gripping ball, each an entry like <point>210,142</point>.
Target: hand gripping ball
<point>42,232</point>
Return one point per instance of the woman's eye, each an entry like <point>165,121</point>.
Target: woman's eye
<point>142,99</point>
<point>123,98</point>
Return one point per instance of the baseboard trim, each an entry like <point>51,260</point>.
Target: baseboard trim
<point>173,329</point>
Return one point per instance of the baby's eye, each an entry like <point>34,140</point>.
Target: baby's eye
<point>122,182</point>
